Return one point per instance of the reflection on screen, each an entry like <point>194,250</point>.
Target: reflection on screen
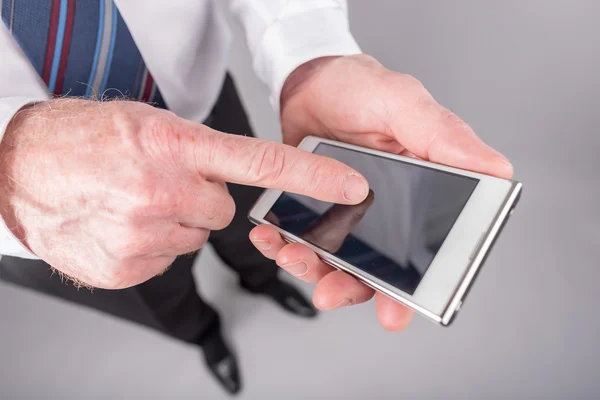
<point>396,232</point>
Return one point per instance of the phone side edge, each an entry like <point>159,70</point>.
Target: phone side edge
<point>482,252</point>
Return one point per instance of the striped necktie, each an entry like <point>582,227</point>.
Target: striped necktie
<point>80,48</point>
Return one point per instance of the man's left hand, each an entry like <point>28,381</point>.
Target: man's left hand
<point>354,99</point>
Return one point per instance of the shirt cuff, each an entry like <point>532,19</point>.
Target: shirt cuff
<point>9,244</point>
<point>290,42</point>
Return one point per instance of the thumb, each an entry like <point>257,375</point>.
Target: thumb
<point>435,133</point>
<point>255,162</point>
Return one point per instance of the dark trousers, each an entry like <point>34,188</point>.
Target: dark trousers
<point>170,303</point>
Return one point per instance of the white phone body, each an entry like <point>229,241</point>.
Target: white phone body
<point>444,284</point>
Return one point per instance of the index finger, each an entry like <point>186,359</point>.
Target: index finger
<point>255,162</point>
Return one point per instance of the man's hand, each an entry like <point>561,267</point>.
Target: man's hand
<point>110,193</point>
<point>356,100</point>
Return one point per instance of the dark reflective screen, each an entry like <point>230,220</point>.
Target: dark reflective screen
<point>396,232</point>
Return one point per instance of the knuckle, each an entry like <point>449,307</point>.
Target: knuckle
<point>132,242</point>
<point>267,163</point>
<point>202,145</point>
<point>115,275</point>
<point>319,174</point>
<point>104,270</point>
<point>164,203</point>
<point>448,129</point>
<point>159,124</point>
<point>161,137</point>
<point>196,242</point>
<point>131,272</point>
<point>415,98</point>
<point>215,145</point>
<point>220,210</point>
<point>228,212</point>
<point>411,84</point>
<point>453,121</point>
<point>155,201</point>
<point>151,197</point>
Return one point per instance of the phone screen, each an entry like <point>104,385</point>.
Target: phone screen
<point>396,232</point>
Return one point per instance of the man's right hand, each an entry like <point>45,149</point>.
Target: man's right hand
<point>110,193</point>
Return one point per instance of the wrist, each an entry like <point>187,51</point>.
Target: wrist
<point>300,78</point>
<point>303,77</point>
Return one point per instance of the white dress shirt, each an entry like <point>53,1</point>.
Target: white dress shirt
<point>188,59</point>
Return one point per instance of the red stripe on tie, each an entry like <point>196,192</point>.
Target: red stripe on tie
<point>148,88</point>
<point>54,14</point>
<point>64,56</point>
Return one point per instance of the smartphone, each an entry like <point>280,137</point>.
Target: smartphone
<point>421,235</point>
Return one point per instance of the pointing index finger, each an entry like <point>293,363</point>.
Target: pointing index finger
<point>256,162</point>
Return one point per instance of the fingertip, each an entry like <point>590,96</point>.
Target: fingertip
<point>267,240</point>
<point>319,301</point>
<point>392,316</point>
<point>496,165</point>
<point>505,168</point>
<point>328,302</point>
<point>356,188</point>
<point>499,165</point>
<point>457,145</point>
<point>326,294</point>
<point>397,323</point>
<point>339,289</point>
<point>261,232</point>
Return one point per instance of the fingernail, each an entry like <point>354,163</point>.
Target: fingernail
<point>343,303</point>
<point>297,268</point>
<point>356,188</point>
<point>262,244</point>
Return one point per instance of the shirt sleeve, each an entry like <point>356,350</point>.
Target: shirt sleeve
<point>284,34</point>
<point>9,244</point>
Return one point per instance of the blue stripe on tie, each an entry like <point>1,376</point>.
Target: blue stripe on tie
<point>88,91</point>
<point>130,64</point>
<point>30,28</point>
<point>5,11</point>
<point>60,34</point>
<point>81,56</point>
<point>111,51</point>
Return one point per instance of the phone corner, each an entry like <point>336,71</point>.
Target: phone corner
<point>306,139</point>
<point>253,218</point>
<point>447,320</point>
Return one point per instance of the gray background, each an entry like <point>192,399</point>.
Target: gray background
<point>524,74</point>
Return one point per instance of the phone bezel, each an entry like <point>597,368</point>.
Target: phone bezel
<point>442,288</point>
